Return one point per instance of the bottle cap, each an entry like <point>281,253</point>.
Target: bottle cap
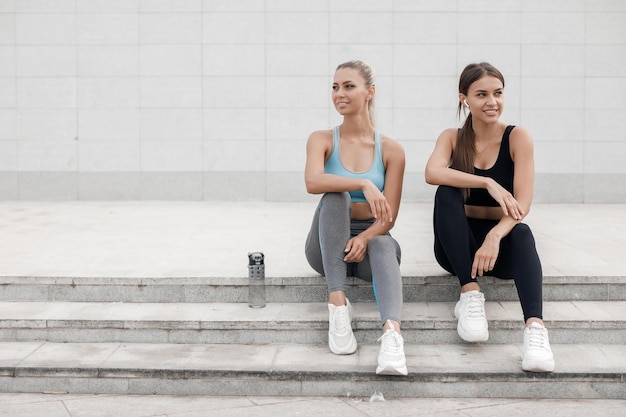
<point>255,258</point>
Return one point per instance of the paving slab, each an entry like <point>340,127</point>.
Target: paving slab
<point>212,239</point>
<point>48,245</point>
<point>227,316</point>
<point>423,323</point>
<point>65,405</point>
<point>583,371</point>
<point>275,357</point>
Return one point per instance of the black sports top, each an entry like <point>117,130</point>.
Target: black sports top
<point>501,172</point>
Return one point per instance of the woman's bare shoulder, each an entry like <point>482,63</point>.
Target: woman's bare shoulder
<point>392,146</point>
<point>520,136</point>
<point>320,142</point>
<point>321,134</point>
<point>389,141</point>
<point>450,133</point>
<point>520,132</point>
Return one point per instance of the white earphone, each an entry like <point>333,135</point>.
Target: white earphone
<point>465,102</point>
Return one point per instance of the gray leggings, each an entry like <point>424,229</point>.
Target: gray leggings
<point>324,249</point>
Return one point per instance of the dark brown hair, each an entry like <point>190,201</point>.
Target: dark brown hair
<point>463,155</point>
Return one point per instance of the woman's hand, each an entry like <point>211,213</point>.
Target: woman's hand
<point>355,250</point>
<point>486,256</point>
<point>510,206</point>
<point>380,207</point>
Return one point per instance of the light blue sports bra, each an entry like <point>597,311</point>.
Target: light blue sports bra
<point>376,173</point>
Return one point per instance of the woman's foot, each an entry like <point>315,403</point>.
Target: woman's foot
<point>536,352</point>
<point>391,359</point>
<point>470,310</point>
<point>341,340</point>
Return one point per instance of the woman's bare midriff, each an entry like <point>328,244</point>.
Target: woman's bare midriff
<point>480,212</point>
<point>361,211</point>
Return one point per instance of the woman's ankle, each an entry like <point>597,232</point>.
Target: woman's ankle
<point>389,323</point>
<point>337,298</point>
<point>471,286</point>
<point>532,320</point>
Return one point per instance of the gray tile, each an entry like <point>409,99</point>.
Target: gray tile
<point>127,239</point>
<point>48,408</point>
<point>139,406</point>
<point>12,354</point>
<point>52,186</point>
<point>72,355</point>
<point>109,186</point>
<point>172,186</point>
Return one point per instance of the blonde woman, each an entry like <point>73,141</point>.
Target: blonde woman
<point>359,172</point>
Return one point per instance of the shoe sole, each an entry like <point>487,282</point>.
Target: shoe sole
<point>392,370</point>
<point>347,350</point>
<point>547,366</point>
<point>472,337</point>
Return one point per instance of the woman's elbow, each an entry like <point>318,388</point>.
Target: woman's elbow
<point>311,187</point>
<point>429,177</point>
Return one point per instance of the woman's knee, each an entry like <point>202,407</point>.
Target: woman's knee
<point>521,248</point>
<point>384,244</point>
<point>521,233</point>
<point>448,195</point>
<point>338,200</point>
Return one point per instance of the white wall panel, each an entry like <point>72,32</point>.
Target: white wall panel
<point>8,155</point>
<point>109,156</point>
<point>8,98</point>
<point>108,60</point>
<point>108,28</point>
<point>171,156</point>
<point>108,92</point>
<point>44,28</point>
<point>193,99</point>
<point>49,124</point>
<point>170,28</point>
<point>46,61</point>
<point>8,124</point>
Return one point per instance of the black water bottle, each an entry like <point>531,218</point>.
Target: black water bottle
<point>256,280</point>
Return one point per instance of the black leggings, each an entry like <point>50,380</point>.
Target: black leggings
<point>457,238</point>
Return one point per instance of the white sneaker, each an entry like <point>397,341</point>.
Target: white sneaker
<point>536,353</point>
<point>470,310</point>
<point>391,360</point>
<point>341,340</point>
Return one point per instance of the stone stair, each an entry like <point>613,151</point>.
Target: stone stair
<point>198,336</point>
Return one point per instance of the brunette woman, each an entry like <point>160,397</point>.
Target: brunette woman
<point>485,177</point>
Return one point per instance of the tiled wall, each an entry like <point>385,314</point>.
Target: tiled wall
<point>214,99</point>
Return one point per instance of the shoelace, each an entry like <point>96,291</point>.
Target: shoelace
<point>341,320</point>
<point>475,307</point>
<point>536,338</point>
<point>390,340</point>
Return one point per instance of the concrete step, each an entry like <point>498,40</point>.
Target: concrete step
<point>298,323</point>
<point>290,289</point>
<point>489,371</point>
